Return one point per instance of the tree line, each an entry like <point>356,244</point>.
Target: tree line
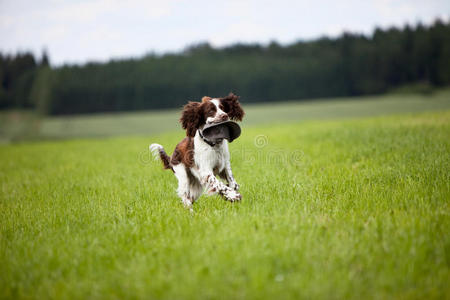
<point>349,65</point>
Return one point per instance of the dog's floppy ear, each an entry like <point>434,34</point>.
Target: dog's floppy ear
<point>232,107</point>
<point>191,118</point>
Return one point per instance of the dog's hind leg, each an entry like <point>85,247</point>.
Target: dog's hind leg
<point>184,191</point>
<point>196,190</point>
<point>195,187</point>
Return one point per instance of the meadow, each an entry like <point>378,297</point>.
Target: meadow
<point>346,199</point>
<point>24,125</point>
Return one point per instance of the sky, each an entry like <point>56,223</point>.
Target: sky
<point>78,31</point>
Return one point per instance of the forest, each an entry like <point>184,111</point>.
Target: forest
<point>349,65</point>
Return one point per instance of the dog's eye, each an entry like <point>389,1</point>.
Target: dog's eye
<point>222,107</point>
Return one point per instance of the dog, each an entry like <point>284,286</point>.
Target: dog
<point>196,160</point>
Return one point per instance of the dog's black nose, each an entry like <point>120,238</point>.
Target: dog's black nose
<point>224,117</point>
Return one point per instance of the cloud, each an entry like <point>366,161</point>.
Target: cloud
<point>80,30</point>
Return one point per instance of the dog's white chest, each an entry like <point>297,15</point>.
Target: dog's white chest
<point>213,158</point>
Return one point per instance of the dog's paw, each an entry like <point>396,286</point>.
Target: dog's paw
<point>233,196</point>
<point>235,186</point>
<point>211,191</point>
<point>187,203</point>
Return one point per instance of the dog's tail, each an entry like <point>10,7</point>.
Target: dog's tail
<point>158,151</point>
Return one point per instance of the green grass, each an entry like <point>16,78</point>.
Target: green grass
<point>17,126</point>
<point>331,209</point>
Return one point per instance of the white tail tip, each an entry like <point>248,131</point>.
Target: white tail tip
<point>155,148</point>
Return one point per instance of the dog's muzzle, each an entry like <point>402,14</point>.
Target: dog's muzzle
<point>216,132</point>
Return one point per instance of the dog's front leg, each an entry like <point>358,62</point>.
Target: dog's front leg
<point>216,185</point>
<point>228,175</point>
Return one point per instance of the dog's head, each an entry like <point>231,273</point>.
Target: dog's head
<point>210,110</point>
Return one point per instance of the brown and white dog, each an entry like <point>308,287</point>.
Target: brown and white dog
<point>195,161</point>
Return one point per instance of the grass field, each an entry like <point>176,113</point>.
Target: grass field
<point>352,208</point>
<point>19,126</point>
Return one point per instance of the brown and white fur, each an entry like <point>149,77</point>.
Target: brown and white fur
<point>196,163</point>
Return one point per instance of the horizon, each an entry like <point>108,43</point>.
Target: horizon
<point>180,51</point>
<point>93,35</point>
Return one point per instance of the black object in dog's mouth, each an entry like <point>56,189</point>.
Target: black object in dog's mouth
<point>216,132</point>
